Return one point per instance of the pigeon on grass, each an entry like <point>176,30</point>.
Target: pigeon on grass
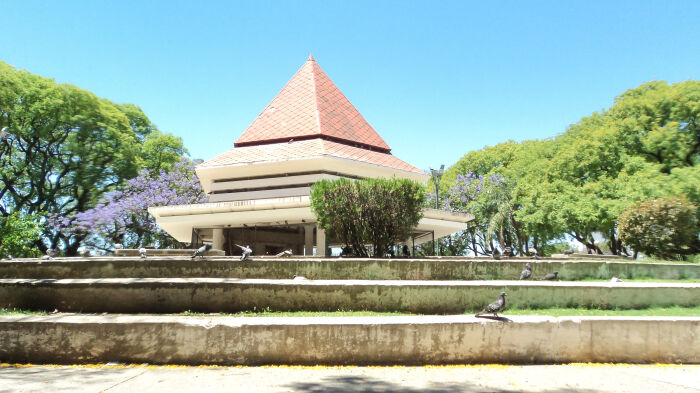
<point>246,252</point>
<point>527,273</point>
<point>550,276</point>
<point>495,307</point>
<point>201,251</point>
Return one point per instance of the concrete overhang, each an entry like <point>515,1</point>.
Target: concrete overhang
<point>208,174</point>
<point>180,220</point>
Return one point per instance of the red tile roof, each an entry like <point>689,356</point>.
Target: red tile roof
<point>309,148</point>
<point>311,105</point>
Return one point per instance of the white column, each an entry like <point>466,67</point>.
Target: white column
<point>218,238</point>
<point>309,240</point>
<point>320,242</point>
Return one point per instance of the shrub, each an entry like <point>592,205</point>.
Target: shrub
<point>376,212</point>
<point>18,234</point>
<point>662,227</point>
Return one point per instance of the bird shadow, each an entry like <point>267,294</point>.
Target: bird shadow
<point>502,319</point>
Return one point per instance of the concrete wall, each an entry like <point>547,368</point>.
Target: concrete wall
<point>339,341</point>
<point>169,295</point>
<point>366,269</point>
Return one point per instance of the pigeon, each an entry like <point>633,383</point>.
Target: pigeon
<point>285,253</point>
<point>527,273</point>
<point>50,254</point>
<point>495,307</point>
<point>533,252</point>
<point>568,252</point>
<point>615,279</point>
<point>10,257</point>
<point>550,276</point>
<point>299,278</point>
<point>201,251</point>
<point>117,246</point>
<point>496,254</point>
<point>142,253</point>
<point>508,251</point>
<point>246,252</point>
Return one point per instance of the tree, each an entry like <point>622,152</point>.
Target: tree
<point>376,212</point>
<point>122,216</point>
<point>18,234</point>
<point>66,148</point>
<point>661,227</point>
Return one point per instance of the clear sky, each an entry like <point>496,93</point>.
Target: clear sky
<point>436,79</point>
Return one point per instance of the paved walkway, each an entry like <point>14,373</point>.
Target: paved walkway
<point>449,379</point>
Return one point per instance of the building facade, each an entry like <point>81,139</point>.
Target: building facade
<point>259,190</point>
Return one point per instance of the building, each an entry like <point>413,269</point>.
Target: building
<point>259,190</point>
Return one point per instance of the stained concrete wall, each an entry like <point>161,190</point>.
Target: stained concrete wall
<point>340,341</point>
<point>169,295</point>
<point>363,269</point>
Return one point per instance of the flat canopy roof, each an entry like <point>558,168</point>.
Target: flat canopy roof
<point>180,220</point>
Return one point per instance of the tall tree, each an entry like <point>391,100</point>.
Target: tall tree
<point>66,147</point>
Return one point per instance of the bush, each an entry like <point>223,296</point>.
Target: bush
<point>663,227</point>
<point>18,234</point>
<point>376,212</point>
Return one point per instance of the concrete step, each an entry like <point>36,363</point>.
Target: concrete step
<point>172,295</point>
<point>334,268</point>
<point>70,339</point>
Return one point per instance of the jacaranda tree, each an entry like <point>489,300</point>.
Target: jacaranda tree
<point>122,216</point>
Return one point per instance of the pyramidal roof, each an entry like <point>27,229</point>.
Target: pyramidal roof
<point>311,106</point>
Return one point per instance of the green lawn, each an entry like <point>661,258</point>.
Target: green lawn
<point>554,312</point>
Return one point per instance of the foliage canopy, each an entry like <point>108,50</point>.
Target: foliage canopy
<point>376,212</point>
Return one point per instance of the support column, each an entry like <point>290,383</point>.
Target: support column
<point>218,238</point>
<point>320,242</point>
<point>309,240</point>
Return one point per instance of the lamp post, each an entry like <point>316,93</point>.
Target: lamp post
<point>436,174</point>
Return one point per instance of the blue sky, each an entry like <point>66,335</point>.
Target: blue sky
<point>436,79</point>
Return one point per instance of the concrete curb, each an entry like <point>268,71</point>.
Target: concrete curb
<point>171,295</point>
<point>334,268</point>
<point>344,340</point>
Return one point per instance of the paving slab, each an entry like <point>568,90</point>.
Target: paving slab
<point>450,379</point>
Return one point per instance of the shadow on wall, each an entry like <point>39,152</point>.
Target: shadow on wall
<point>355,384</point>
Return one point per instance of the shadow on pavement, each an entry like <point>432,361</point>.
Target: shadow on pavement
<point>56,379</point>
<point>354,384</point>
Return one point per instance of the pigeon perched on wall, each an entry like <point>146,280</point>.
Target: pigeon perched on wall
<point>551,276</point>
<point>9,257</point>
<point>201,251</point>
<point>50,254</point>
<point>527,273</point>
<point>533,252</point>
<point>299,278</point>
<point>495,307</point>
<point>496,254</point>
<point>568,252</point>
<point>246,252</point>
<point>285,253</point>
<point>615,279</point>
<point>142,253</point>
<point>508,251</point>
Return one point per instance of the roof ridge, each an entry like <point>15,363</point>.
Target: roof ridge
<point>313,87</point>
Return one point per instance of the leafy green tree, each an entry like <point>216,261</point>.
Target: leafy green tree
<point>66,147</point>
<point>661,227</point>
<point>18,234</point>
<point>376,212</point>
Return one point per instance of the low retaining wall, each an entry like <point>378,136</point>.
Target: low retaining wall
<point>359,269</point>
<point>134,295</point>
<point>343,341</point>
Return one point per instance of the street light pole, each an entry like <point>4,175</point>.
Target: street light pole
<point>436,174</point>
